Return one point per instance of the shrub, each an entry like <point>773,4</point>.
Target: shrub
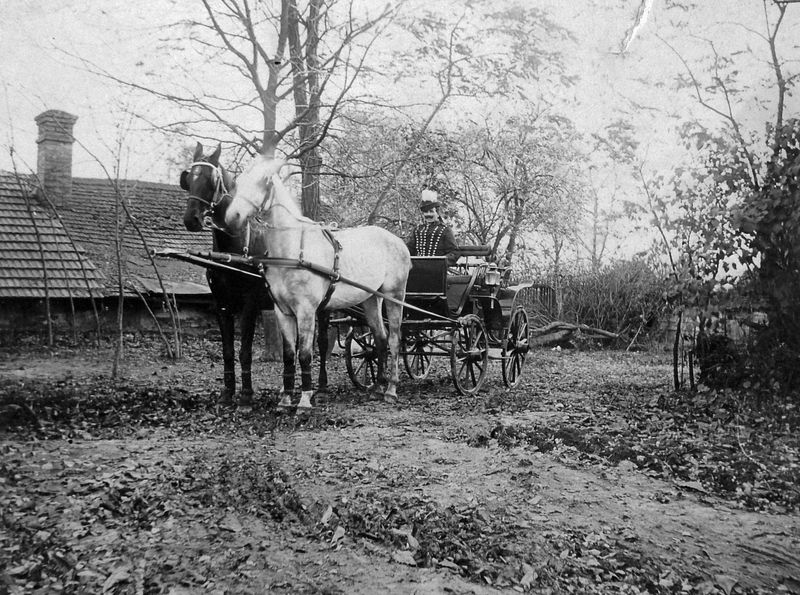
<point>624,297</point>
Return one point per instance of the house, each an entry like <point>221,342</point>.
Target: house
<point>58,247</point>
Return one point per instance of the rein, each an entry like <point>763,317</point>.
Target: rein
<point>260,263</point>
<point>263,262</point>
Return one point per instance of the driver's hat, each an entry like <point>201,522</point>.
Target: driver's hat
<point>429,200</point>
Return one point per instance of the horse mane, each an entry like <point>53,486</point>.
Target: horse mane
<point>284,196</point>
<point>265,172</point>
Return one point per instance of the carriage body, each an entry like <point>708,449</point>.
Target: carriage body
<point>467,312</point>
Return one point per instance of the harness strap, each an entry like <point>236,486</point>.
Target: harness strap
<point>333,275</point>
<point>336,248</point>
<point>265,261</point>
<point>262,270</point>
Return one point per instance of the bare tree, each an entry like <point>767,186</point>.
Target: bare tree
<point>122,218</point>
<point>279,71</point>
<point>450,59</point>
<point>718,88</point>
<point>516,177</point>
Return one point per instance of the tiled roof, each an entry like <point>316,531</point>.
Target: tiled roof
<point>157,210</point>
<point>89,217</point>
<point>35,251</point>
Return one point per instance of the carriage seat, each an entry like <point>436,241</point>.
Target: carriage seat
<point>467,259</point>
<point>463,278</point>
<point>479,250</point>
<point>427,276</point>
<point>429,280</point>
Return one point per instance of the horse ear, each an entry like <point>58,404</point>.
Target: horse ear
<point>214,158</point>
<point>198,153</point>
<point>185,179</point>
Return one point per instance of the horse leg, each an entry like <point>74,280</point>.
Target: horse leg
<point>323,324</point>
<point>372,312</point>
<point>394,315</point>
<point>305,335</point>
<point>288,327</point>
<point>248,331</point>
<point>227,330</point>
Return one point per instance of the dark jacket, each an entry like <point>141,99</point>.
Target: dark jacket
<point>434,239</point>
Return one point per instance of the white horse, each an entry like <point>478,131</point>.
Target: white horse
<point>371,257</point>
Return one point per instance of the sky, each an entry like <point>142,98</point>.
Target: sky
<point>622,63</point>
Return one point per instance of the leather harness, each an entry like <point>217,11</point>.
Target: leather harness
<point>221,191</point>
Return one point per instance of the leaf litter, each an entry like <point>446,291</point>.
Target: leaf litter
<point>199,501</point>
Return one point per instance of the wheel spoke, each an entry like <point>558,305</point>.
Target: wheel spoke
<point>472,373</point>
<point>417,354</point>
<point>516,348</point>
<point>369,372</point>
<point>469,355</point>
<point>360,358</point>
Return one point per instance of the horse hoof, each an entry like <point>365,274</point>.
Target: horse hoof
<point>285,402</point>
<point>390,399</point>
<point>305,400</point>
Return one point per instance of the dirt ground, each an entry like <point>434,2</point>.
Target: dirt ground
<point>142,485</point>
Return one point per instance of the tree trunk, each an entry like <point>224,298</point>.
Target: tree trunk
<point>273,342</point>
<point>311,164</point>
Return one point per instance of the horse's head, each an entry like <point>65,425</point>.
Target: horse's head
<point>258,188</point>
<point>207,183</point>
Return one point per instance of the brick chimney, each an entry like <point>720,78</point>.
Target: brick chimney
<point>54,163</point>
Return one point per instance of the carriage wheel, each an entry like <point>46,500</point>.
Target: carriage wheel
<point>516,348</point>
<point>360,357</point>
<point>469,355</point>
<point>417,355</point>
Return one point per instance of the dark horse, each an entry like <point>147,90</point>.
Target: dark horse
<point>235,294</point>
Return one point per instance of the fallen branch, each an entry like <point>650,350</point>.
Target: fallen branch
<point>562,332</point>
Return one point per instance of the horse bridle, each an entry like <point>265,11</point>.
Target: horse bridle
<point>220,191</point>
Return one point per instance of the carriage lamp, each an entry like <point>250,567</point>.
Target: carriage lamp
<point>492,276</point>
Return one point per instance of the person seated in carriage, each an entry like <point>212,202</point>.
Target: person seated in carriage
<point>432,237</point>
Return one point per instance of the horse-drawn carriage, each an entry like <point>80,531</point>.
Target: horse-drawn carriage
<point>467,313</point>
